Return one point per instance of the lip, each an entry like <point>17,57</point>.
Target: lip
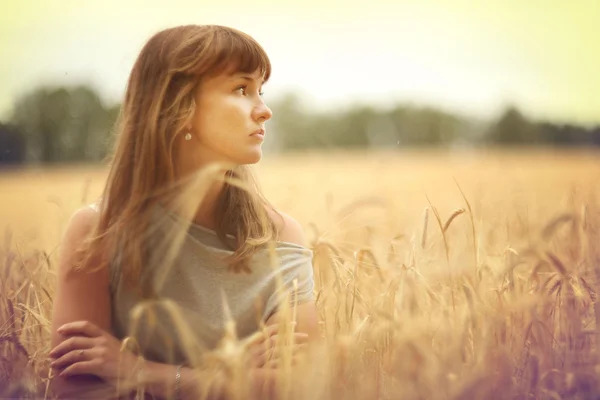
<point>259,133</point>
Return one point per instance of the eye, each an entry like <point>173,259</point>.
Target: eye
<point>242,89</point>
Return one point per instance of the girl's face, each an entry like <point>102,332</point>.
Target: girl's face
<point>229,125</point>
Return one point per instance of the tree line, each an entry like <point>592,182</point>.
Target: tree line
<point>73,125</point>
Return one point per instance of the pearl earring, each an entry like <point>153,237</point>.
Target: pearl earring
<point>188,136</point>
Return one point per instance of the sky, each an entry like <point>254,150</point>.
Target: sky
<point>470,57</point>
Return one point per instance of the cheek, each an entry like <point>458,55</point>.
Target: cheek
<point>221,123</point>
<point>224,114</point>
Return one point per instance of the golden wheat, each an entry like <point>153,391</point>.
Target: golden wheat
<point>501,306</point>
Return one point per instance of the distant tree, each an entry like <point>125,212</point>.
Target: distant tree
<point>569,135</point>
<point>295,127</point>
<point>427,126</point>
<point>350,129</point>
<point>290,126</point>
<point>64,124</point>
<point>512,128</point>
<point>72,124</point>
<point>595,136</point>
<point>12,146</point>
<point>564,135</point>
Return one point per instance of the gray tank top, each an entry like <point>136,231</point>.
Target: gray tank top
<point>198,283</point>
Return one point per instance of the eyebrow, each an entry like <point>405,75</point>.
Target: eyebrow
<point>247,78</point>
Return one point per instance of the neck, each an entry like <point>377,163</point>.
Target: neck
<point>187,165</point>
<point>206,213</point>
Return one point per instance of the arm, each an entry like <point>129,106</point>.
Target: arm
<point>85,296</point>
<point>160,379</point>
<point>306,314</point>
<point>79,296</point>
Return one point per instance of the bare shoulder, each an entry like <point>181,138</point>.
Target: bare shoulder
<point>82,221</point>
<point>289,229</point>
<point>80,227</point>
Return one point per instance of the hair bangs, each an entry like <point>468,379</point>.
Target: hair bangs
<point>238,52</point>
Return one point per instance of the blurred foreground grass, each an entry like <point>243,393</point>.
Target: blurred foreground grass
<point>439,275</point>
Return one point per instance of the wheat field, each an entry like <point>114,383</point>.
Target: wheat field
<point>439,274</point>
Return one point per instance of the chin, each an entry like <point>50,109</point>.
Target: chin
<point>251,157</point>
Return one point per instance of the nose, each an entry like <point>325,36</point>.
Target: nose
<point>261,111</point>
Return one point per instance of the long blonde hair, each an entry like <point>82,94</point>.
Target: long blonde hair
<point>158,104</point>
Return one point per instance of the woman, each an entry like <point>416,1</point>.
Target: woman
<point>181,239</point>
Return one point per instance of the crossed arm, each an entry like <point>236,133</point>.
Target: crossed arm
<point>90,363</point>
<point>88,359</point>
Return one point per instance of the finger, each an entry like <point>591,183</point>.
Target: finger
<point>259,355</point>
<point>260,339</point>
<point>260,336</point>
<point>255,351</point>
<point>84,328</point>
<point>257,339</point>
<point>72,357</point>
<point>82,368</point>
<point>265,334</point>
<point>279,352</point>
<point>295,355</point>
<point>296,337</point>
<point>261,359</point>
<point>300,337</point>
<point>70,344</point>
<point>279,361</point>
<point>270,330</point>
<point>258,348</point>
<point>274,328</point>
<point>273,364</point>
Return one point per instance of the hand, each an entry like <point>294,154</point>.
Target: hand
<point>89,350</point>
<point>266,348</point>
